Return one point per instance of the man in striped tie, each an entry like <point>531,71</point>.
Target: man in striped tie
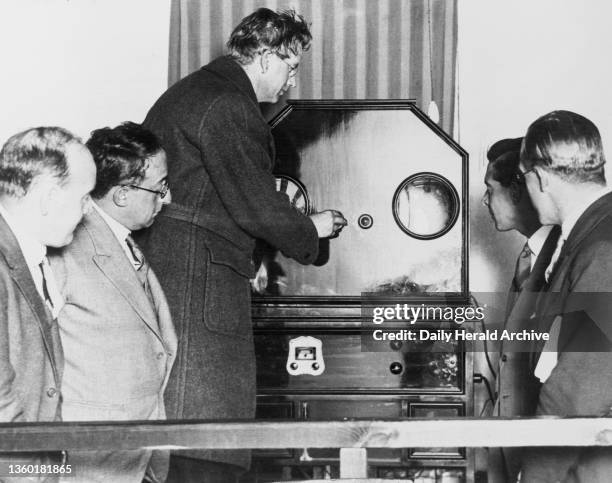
<point>119,341</point>
<point>562,162</point>
<point>510,208</point>
<point>46,175</point>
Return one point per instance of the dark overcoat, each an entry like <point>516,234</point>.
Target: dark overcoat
<point>220,157</point>
<point>580,293</point>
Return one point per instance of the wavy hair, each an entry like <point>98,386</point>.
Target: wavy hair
<point>121,155</point>
<point>285,32</point>
<point>31,153</point>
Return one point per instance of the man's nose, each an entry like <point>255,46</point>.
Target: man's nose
<point>291,82</point>
<point>166,200</point>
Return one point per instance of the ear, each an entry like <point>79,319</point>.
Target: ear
<point>544,178</point>
<point>47,196</point>
<point>264,61</point>
<point>120,196</point>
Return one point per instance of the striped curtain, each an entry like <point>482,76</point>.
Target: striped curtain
<point>361,49</point>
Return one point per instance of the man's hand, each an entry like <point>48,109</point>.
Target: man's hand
<point>328,223</point>
<point>260,282</point>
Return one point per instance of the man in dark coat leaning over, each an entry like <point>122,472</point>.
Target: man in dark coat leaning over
<point>220,157</point>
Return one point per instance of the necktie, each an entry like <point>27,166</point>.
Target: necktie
<point>141,265</point>
<point>45,271</point>
<point>45,288</point>
<point>521,274</point>
<point>553,260</point>
<point>522,269</point>
<point>138,256</point>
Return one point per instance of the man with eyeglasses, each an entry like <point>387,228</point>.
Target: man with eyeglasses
<point>562,161</point>
<point>511,209</point>
<point>117,334</point>
<point>221,156</point>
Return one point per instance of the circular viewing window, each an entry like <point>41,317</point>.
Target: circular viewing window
<point>296,192</point>
<point>426,205</point>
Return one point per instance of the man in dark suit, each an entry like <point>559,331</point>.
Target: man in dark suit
<point>562,161</point>
<point>220,157</point>
<point>118,338</point>
<point>511,209</point>
<point>46,175</point>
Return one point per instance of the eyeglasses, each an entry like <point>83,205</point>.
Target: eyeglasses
<point>162,193</point>
<point>292,68</point>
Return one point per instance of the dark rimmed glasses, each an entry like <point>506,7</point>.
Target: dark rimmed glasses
<point>161,193</point>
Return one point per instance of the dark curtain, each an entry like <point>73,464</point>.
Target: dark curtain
<point>362,49</point>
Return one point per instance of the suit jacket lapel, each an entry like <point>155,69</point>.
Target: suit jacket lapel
<point>524,302</point>
<point>549,304</point>
<point>536,279</point>
<point>166,327</point>
<point>587,222</point>
<point>112,262</point>
<point>20,273</point>
<point>521,313</point>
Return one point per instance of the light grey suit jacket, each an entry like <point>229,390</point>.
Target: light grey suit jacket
<point>30,352</point>
<point>118,347</point>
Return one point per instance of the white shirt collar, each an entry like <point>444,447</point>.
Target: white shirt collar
<point>34,254</point>
<point>33,251</point>
<point>579,209</point>
<point>120,231</point>
<point>536,241</point>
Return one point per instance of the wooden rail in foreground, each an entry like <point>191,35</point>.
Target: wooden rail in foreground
<point>352,437</point>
